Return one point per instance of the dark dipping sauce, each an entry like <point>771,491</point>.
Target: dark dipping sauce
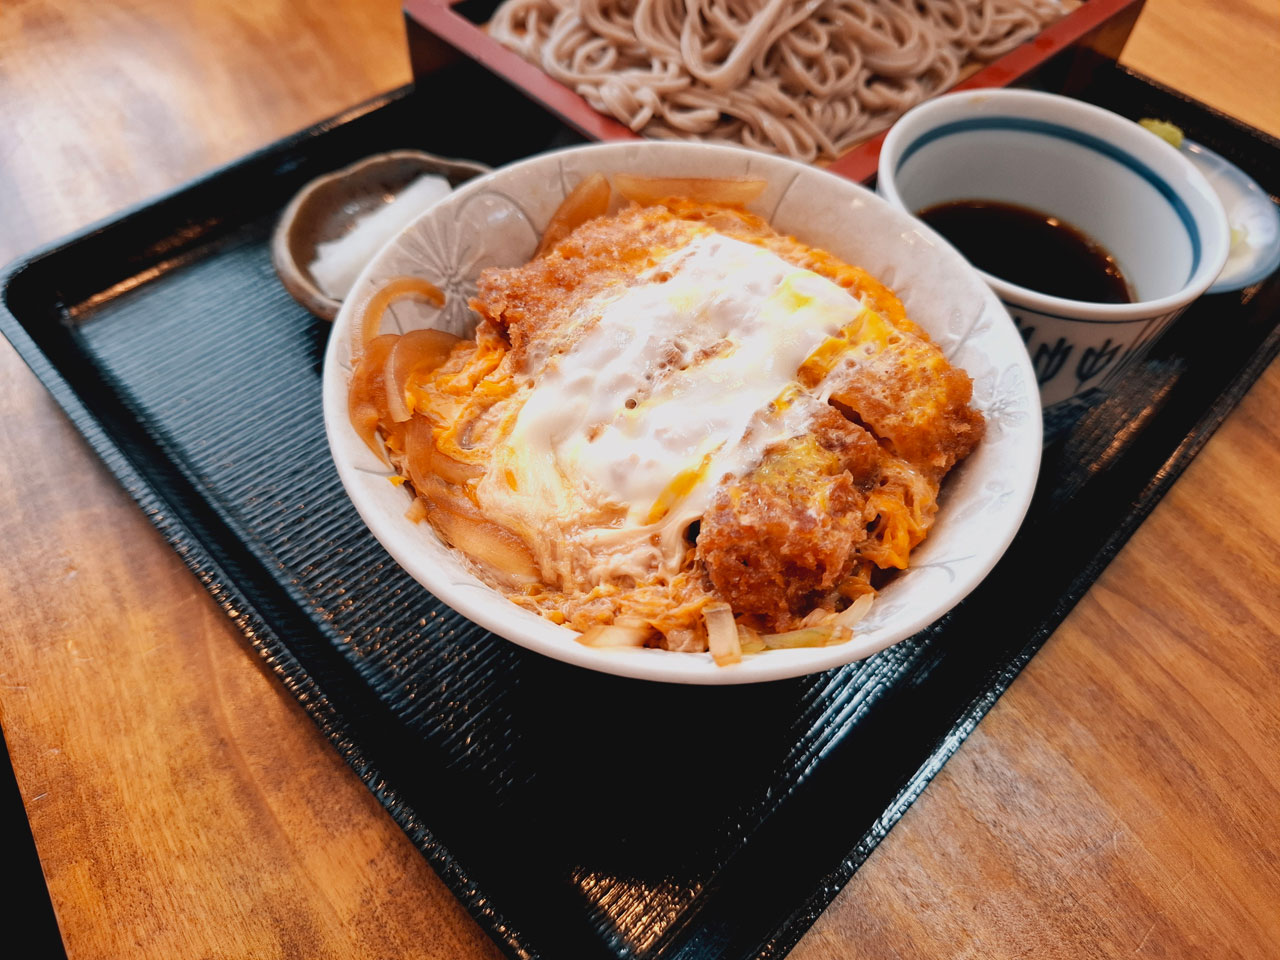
<point>1030,248</point>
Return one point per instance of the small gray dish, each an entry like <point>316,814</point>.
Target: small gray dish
<point>326,208</point>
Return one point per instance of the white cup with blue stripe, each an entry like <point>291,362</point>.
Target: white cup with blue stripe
<point>1118,184</point>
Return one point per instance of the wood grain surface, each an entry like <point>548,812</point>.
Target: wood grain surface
<point>1120,800</point>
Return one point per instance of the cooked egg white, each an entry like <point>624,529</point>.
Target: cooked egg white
<point>660,390</point>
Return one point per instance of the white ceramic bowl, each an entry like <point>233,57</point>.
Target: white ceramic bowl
<point>1120,184</point>
<point>496,220</point>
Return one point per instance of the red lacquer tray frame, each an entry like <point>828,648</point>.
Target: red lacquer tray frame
<point>1101,26</point>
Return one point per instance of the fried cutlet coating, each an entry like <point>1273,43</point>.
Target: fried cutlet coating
<point>533,301</point>
<point>778,542</point>
<point>853,446</point>
<point>912,399</point>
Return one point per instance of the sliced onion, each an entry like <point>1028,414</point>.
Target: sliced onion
<point>722,634</point>
<point>728,192</point>
<point>612,635</point>
<point>856,611</point>
<point>425,459</point>
<point>586,201</point>
<point>418,352</point>
<point>807,637</point>
<point>749,640</point>
<point>816,617</point>
<point>465,527</point>
<point>369,317</point>
<point>367,395</point>
<point>626,621</point>
<point>417,511</point>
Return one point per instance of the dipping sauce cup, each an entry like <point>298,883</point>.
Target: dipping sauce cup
<point>1120,185</point>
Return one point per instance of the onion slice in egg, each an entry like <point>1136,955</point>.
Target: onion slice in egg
<point>417,511</point>
<point>612,635</point>
<point>586,201</point>
<point>749,640</point>
<point>417,352</point>
<point>367,397</point>
<point>722,634</point>
<point>727,192</point>
<point>425,459</point>
<point>370,314</point>
<point>855,611</point>
<point>462,524</point>
<point>807,637</point>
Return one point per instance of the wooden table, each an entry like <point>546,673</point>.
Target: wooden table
<point>1122,799</point>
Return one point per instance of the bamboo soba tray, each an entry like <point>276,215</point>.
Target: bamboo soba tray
<point>443,30</point>
<point>521,779</point>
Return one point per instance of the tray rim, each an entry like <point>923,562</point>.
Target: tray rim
<point>271,649</point>
<point>277,656</point>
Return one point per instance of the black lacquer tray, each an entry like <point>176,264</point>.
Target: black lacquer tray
<point>576,815</point>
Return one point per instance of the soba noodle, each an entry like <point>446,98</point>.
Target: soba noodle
<point>805,78</point>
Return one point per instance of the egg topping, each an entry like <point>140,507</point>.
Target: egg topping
<point>651,395</point>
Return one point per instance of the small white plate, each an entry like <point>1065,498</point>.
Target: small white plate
<point>496,220</point>
<point>1249,210</point>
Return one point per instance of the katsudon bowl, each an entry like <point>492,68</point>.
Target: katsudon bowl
<point>497,220</point>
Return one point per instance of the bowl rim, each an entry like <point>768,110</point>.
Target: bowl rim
<point>658,665</point>
<point>1091,123</point>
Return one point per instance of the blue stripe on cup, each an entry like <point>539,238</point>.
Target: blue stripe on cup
<point>1096,144</point>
